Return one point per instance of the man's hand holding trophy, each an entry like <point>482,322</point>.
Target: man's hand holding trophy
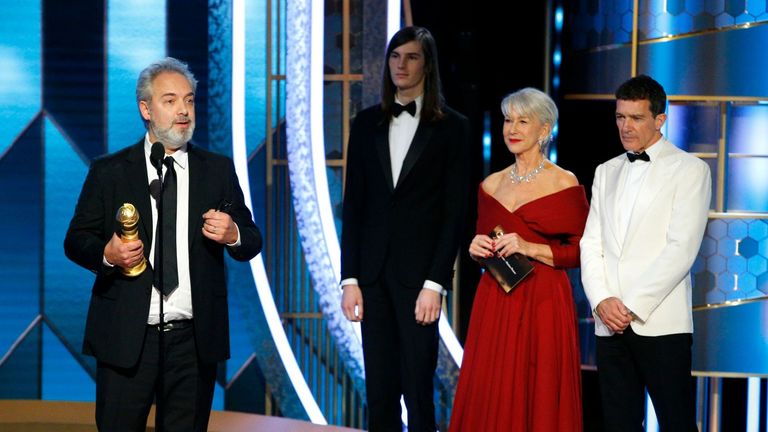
<point>128,217</point>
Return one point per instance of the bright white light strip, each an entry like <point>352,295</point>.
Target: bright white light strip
<point>318,138</point>
<point>317,123</point>
<point>449,339</point>
<point>753,404</point>
<point>393,18</point>
<point>240,157</point>
<point>651,423</point>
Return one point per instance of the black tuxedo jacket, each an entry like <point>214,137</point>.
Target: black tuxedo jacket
<point>416,222</point>
<point>119,307</point>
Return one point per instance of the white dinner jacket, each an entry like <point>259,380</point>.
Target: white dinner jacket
<point>649,270</point>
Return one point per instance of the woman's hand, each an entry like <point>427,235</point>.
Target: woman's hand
<point>510,244</point>
<point>482,247</point>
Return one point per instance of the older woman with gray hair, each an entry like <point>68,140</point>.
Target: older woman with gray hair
<point>521,370</point>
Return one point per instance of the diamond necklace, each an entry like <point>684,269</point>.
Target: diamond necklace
<point>528,177</point>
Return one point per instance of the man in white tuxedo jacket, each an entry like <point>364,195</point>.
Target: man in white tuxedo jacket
<point>646,222</point>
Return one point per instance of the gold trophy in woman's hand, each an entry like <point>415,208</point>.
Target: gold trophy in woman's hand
<point>128,217</point>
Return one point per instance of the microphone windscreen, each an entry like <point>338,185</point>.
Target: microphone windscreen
<point>157,154</point>
<point>155,189</point>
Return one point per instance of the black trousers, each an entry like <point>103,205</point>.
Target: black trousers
<point>124,396</point>
<point>628,364</point>
<point>400,357</point>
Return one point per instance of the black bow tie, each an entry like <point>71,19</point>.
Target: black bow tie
<point>398,109</point>
<point>638,156</point>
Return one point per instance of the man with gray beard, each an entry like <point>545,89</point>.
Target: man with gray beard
<point>136,317</point>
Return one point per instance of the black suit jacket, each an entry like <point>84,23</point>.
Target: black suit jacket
<point>417,222</point>
<point>119,307</point>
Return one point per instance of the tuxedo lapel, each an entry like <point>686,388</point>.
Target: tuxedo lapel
<point>658,176</point>
<point>197,172</point>
<point>420,140</point>
<point>138,191</point>
<point>616,176</point>
<point>381,142</point>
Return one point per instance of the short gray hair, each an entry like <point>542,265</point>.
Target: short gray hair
<point>532,103</point>
<point>168,64</point>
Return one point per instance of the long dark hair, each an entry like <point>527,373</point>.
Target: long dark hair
<point>432,103</point>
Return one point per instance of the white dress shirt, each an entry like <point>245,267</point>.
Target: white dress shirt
<point>401,132</point>
<point>178,304</point>
<point>635,174</point>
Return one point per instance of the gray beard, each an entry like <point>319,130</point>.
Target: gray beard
<point>170,137</point>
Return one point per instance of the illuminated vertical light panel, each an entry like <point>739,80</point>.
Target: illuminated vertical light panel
<point>393,18</point>
<point>240,157</point>
<point>135,38</point>
<point>308,177</point>
<point>557,59</point>
<point>65,306</point>
<point>486,143</point>
<point>20,74</point>
<point>753,404</point>
<point>651,423</point>
<point>20,101</point>
<point>747,176</point>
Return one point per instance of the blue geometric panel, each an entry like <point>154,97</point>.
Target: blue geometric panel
<point>335,189</point>
<point>240,283</point>
<point>332,117</point>
<point>762,283</point>
<point>241,394</point>
<point>20,374</point>
<point>758,229</point>
<point>67,285</point>
<point>746,185</point>
<point>20,229</point>
<point>597,23</point>
<point>717,229</point>
<point>677,63</point>
<point>257,173</point>
<point>734,263</point>
<point>708,247</point>
<point>73,71</point>
<point>748,128</point>
<point>726,247</point>
<point>60,370</point>
<point>599,71</point>
<point>694,127</point>
<point>20,88</point>
<point>737,264</point>
<point>256,77</point>
<point>716,264</point>
<point>737,229</point>
<point>218,397</point>
<point>241,348</point>
<point>675,17</point>
<point>136,38</point>
<point>757,265</point>
<point>748,247</point>
<point>219,81</point>
<point>333,26</point>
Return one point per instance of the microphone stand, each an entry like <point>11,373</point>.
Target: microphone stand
<point>159,394</point>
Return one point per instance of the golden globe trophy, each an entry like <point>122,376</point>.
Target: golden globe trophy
<point>128,217</point>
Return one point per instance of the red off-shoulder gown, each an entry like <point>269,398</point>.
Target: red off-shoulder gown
<point>520,370</point>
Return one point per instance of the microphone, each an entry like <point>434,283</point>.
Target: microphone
<point>155,189</point>
<point>156,155</point>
